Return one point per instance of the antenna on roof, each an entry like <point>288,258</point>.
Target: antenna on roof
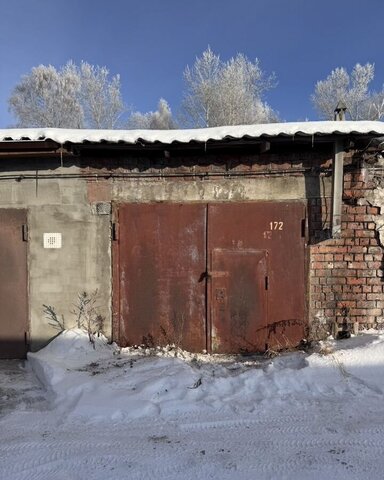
<point>339,112</point>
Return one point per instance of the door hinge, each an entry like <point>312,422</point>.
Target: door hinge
<point>114,231</point>
<point>24,232</point>
<point>266,283</point>
<point>303,225</point>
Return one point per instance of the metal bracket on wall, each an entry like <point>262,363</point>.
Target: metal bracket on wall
<point>24,232</point>
<point>114,231</point>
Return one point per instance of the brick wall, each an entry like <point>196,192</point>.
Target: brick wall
<point>346,274</point>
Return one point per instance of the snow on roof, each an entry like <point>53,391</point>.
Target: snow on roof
<point>192,135</point>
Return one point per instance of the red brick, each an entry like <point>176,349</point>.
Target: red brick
<point>375,250</point>
<point>356,289</point>
<point>366,273</point>
<point>319,265</point>
<point>373,210</point>
<point>315,297</point>
<point>348,233</point>
<point>346,304</point>
<point>357,265</point>
<point>331,304</point>
<point>326,289</point>
<point>365,233</point>
<point>371,296</point>
<point>357,249</point>
<point>354,226</point>
<point>375,265</point>
<point>342,272</point>
<point>357,311</point>
<point>367,304</point>
<point>340,265</point>
<point>336,280</point>
<point>337,288</point>
<point>357,281</point>
<point>377,288</point>
<point>354,296</point>
<point>364,241</point>
<point>351,241</point>
<point>357,210</point>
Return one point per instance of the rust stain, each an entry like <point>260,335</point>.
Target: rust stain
<point>99,190</point>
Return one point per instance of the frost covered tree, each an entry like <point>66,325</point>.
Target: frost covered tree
<point>71,97</point>
<point>100,97</point>
<point>48,98</point>
<point>353,90</point>
<point>226,93</point>
<point>161,119</point>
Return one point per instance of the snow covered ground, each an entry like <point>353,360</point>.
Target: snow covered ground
<point>133,414</point>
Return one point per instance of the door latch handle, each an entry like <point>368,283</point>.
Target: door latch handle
<point>205,276</point>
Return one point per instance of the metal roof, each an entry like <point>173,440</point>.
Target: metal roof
<point>289,129</point>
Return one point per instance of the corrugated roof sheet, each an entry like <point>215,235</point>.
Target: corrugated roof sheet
<point>192,135</point>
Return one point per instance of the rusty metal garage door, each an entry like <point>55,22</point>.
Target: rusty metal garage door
<point>161,289</point>
<point>13,284</point>
<point>228,278</point>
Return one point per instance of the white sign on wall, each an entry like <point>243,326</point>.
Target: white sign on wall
<point>52,240</point>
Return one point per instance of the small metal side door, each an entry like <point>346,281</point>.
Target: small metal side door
<point>13,284</point>
<point>238,289</point>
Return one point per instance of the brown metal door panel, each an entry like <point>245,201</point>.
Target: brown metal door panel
<point>276,227</point>
<point>238,300</point>
<point>13,284</point>
<point>161,262</point>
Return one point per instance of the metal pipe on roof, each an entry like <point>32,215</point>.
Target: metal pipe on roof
<point>337,187</point>
<point>337,175</point>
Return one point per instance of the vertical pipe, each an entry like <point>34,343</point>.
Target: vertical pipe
<point>337,188</point>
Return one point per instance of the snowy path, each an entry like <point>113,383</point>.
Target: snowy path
<point>311,442</point>
<point>316,417</point>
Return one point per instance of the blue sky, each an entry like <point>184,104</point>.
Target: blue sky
<point>150,42</point>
